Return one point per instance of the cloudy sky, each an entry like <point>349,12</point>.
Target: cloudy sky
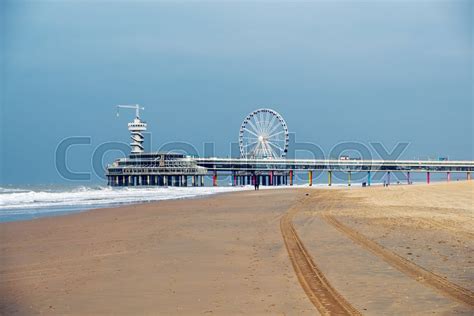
<point>365,71</point>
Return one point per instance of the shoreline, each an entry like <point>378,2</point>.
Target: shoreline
<point>65,210</point>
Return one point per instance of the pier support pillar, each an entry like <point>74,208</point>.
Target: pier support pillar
<point>270,178</point>
<point>291,177</point>
<point>448,176</point>
<point>428,177</point>
<point>388,178</point>
<point>349,179</point>
<point>202,180</point>
<point>214,179</point>
<point>165,180</point>
<point>408,177</point>
<point>329,178</point>
<point>185,181</point>
<point>193,181</point>
<point>310,178</point>
<point>468,175</point>
<point>368,178</point>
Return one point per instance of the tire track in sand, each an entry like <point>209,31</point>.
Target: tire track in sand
<point>320,292</point>
<point>405,266</point>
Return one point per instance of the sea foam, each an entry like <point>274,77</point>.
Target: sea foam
<point>25,203</point>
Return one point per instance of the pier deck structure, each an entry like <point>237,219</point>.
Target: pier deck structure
<point>167,169</point>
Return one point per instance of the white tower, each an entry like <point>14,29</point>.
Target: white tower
<point>136,128</point>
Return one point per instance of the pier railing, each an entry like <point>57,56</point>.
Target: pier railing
<point>238,164</point>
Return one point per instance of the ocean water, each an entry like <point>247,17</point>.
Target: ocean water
<point>30,202</point>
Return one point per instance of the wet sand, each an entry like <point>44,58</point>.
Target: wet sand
<point>218,255</point>
<point>226,254</point>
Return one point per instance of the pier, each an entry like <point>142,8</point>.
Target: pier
<point>263,140</point>
<point>188,171</point>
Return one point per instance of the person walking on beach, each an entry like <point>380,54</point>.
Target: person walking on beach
<point>257,184</point>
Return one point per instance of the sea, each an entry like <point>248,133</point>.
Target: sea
<point>28,202</point>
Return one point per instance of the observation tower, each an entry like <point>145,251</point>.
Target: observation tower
<point>136,128</point>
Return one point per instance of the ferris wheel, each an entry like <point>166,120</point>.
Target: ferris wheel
<point>263,134</point>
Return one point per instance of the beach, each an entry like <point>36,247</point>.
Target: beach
<point>396,250</point>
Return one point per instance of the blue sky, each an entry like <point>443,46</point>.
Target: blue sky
<point>366,71</point>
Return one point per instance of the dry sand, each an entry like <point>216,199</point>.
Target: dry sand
<point>431,226</point>
<point>225,254</point>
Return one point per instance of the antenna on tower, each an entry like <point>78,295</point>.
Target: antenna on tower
<point>137,108</point>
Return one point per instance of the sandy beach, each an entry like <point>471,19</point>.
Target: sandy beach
<point>371,251</point>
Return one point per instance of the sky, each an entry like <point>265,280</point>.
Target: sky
<point>337,71</point>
